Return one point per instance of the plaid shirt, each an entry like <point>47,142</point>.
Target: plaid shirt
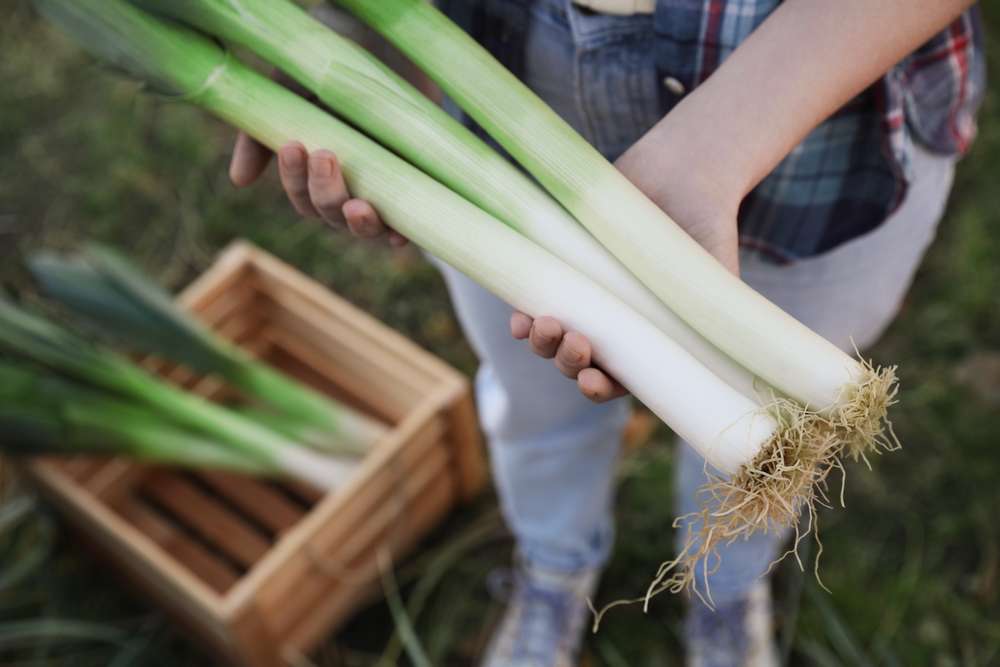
<point>853,170</point>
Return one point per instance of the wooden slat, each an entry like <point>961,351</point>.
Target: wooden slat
<point>466,442</point>
<point>304,491</point>
<point>130,549</point>
<point>117,479</point>
<point>303,320</point>
<point>231,267</point>
<point>231,304</point>
<point>329,612</point>
<point>334,566</point>
<point>253,642</point>
<point>202,562</point>
<point>82,468</point>
<point>243,326</point>
<point>207,517</point>
<point>285,361</point>
<point>255,499</point>
<point>272,272</point>
<point>383,487</point>
<point>361,371</point>
<point>276,567</point>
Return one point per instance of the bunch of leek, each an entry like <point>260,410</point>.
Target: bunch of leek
<point>42,415</point>
<point>105,289</point>
<point>499,228</point>
<point>59,391</point>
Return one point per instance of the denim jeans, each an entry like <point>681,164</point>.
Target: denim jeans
<point>553,452</point>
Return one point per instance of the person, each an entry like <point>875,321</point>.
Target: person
<point>809,146</point>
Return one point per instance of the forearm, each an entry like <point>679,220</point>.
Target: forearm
<point>802,64</point>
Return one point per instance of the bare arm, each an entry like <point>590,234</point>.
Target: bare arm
<point>803,63</point>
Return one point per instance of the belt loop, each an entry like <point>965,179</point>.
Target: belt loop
<point>618,7</point>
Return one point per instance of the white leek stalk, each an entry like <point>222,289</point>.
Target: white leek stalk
<point>727,428</point>
<point>359,88</point>
<point>728,313</point>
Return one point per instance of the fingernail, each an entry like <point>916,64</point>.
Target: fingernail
<point>321,166</point>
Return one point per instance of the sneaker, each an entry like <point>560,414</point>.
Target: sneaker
<point>545,619</point>
<point>738,634</point>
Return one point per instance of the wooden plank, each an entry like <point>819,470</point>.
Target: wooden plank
<point>82,468</point>
<point>361,370</point>
<point>332,566</point>
<point>117,479</point>
<point>344,382</point>
<point>243,326</point>
<point>327,513</point>
<point>211,636</point>
<point>466,442</point>
<point>134,553</point>
<point>305,492</point>
<point>384,487</point>
<point>331,611</point>
<point>303,319</point>
<point>232,304</point>
<point>273,272</point>
<point>253,641</point>
<point>231,267</point>
<point>203,514</point>
<point>255,499</point>
<point>207,566</point>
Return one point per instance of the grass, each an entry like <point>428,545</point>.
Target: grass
<point>913,565</point>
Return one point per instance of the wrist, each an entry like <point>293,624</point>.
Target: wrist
<point>682,175</point>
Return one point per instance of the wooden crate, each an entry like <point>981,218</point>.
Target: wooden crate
<point>262,571</point>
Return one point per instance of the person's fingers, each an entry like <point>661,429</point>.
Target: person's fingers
<point>327,187</point>
<point>397,240</point>
<point>293,165</point>
<point>597,386</point>
<point>520,325</point>
<point>250,159</point>
<point>545,336</point>
<point>573,354</point>
<point>362,219</point>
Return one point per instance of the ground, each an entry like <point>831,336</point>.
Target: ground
<point>912,565</point>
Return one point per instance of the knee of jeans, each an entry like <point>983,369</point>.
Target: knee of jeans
<point>524,417</point>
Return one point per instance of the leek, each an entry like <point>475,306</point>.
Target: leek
<point>43,415</point>
<point>359,88</point>
<point>727,428</point>
<point>108,291</point>
<point>31,339</point>
<point>727,312</point>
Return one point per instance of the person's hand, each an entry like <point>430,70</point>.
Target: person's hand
<point>314,184</point>
<point>695,195</point>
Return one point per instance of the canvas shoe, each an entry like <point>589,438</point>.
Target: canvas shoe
<point>545,619</point>
<point>737,634</point>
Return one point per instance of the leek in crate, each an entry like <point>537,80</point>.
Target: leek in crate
<point>358,87</point>
<point>41,415</point>
<point>113,379</point>
<point>104,288</point>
